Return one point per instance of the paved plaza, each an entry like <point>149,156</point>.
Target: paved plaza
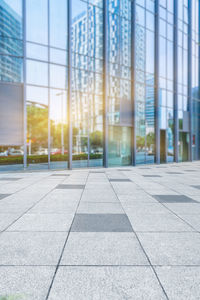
<point>101,234</point>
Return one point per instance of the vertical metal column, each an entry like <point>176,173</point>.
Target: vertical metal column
<point>190,106</point>
<point>197,140</point>
<point>69,98</point>
<point>105,87</point>
<point>176,125</point>
<point>49,123</point>
<point>157,104</point>
<point>133,142</point>
<point>24,83</point>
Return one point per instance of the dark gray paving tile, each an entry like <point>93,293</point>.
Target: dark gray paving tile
<point>196,186</point>
<point>148,176</point>
<point>101,223</point>
<point>60,175</point>
<point>175,173</point>
<point>190,170</point>
<point>70,186</point>
<point>9,179</point>
<point>2,196</point>
<point>174,199</point>
<point>120,180</point>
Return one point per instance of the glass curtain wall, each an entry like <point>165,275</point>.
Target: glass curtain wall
<point>195,80</point>
<point>166,77</point>
<point>87,78</point>
<point>46,83</point>
<point>119,82</point>
<point>11,65</point>
<point>183,100</point>
<point>144,81</point>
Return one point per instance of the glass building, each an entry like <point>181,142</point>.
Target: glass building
<point>98,83</point>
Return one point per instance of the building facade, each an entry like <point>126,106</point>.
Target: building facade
<point>99,83</point>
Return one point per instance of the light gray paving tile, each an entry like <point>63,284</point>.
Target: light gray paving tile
<point>157,222</point>
<point>174,173</point>
<point>7,219</point>
<point>193,220</point>
<point>89,283</point>
<point>153,176</point>
<point>99,196</point>
<point>9,178</point>
<point>172,248</point>
<point>180,282</point>
<point>57,206</point>
<point>101,223</point>
<point>31,248</point>
<point>125,170</point>
<point>97,248</point>
<point>140,197</point>
<point>43,222</point>
<point>25,283</point>
<point>144,208</point>
<point>60,175</point>
<point>100,208</point>
<point>174,199</point>
<point>120,180</point>
<point>70,186</point>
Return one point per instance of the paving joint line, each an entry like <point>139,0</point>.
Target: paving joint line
<point>148,259</point>
<point>65,243</point>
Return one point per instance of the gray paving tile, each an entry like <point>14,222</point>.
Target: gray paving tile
<point>196,186</point>
<point>70,186</point>
<point>101,223</point>
<point>180,282</point>
<point>31,248</point>
<point>190,170</point>
<point>43,222</point>
<point>120,180</point>
<point>124,170</point>
<point>2,196</point>
<point>174,199</point>
<point>164,249</point>
<point>149,176</point>
<point>145,168</point>
<point>100,208</point>
<point>25,283</point>
<point>97,248</point>
<point>117,283</point>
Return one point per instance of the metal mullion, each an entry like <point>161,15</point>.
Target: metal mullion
<point>69,99</point>
<point>105,87</point>
<point>175,50</point>
<point>157,108</point>
<point>49,123</point>
<point>133,142</point>
<point>24,85</point>
<point>190,76</point>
